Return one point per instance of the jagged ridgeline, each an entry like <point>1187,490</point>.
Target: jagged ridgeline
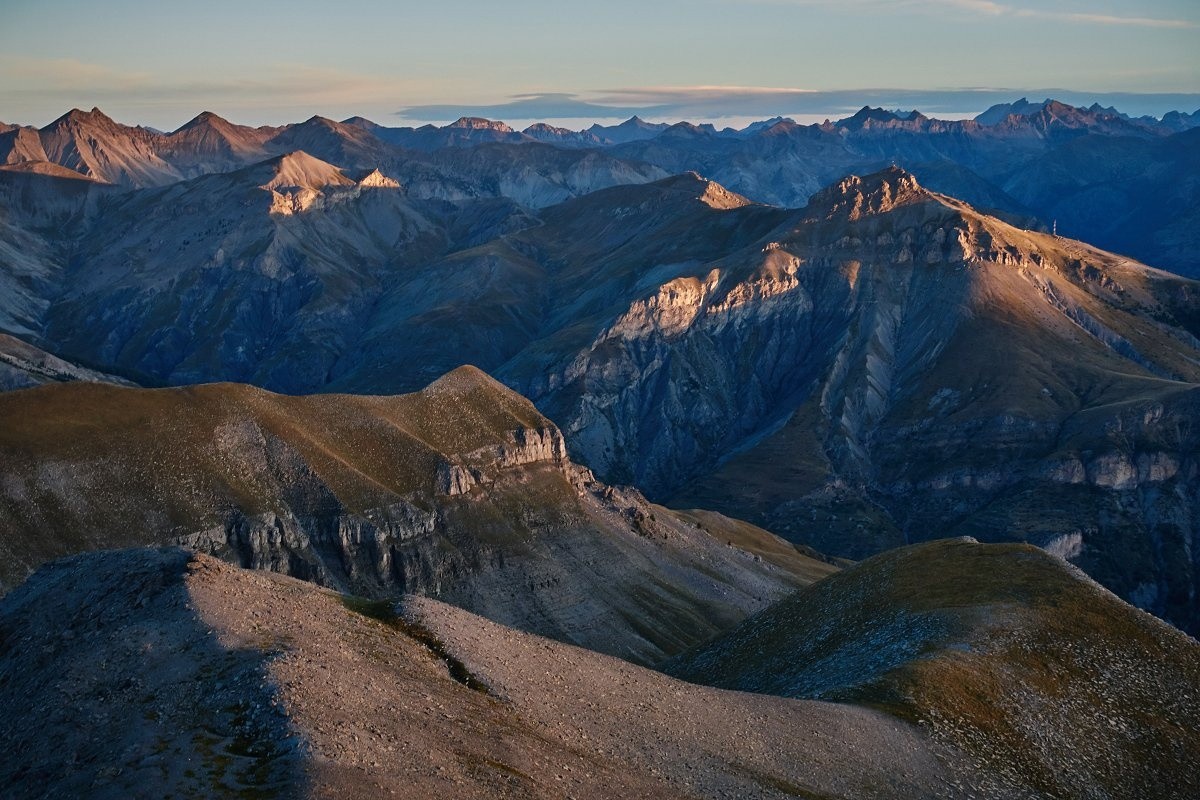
<point>462,491</point>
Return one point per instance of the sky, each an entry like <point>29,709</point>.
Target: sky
<point>268,62</point>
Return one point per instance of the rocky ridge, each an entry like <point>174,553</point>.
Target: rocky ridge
<point>462,491</point>
<point>834,366</point>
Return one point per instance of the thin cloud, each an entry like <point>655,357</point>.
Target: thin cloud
<point>703,91</point>
<point>991,8</point>
<point>715,103</point>
<point>53,74</point>
<point>42,89</point>
<point>1106,19</point>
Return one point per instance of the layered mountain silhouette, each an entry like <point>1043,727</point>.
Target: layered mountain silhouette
<point>1104,177</point>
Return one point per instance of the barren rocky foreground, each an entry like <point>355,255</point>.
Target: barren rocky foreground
<point>159,673</point>
<point>162,673</point>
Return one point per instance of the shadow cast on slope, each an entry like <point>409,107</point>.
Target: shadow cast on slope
<point>113,687</point>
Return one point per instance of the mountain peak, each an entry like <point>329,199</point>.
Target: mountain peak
<point>465,378</point>
<point>79,116</point>
<point>866,115</point>
<point>205,119</point>
<point>317,121</point>
<point>299,170</point>
<point>491,406</point>
<point>877,193</point>
<point>205,116</point>
<point>480,124</point>
<point>545,127</point>
<point>377,180</point>
<point>361,122</point>
<point>711,193</point>
<point>1002,111</point>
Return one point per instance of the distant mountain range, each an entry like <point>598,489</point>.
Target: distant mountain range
<point>1101,176</point>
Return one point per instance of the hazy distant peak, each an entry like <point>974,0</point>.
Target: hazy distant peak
<point>204,118</point>
<point>766,124</point>
<point>866,115</point>
<point>361,122</point>
<point>630,130</point>
<point>690,130</point>
<point>1002,111</point>
<point>480,124</point>
<point>544,127</point>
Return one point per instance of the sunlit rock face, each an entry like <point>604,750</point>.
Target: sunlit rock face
<point>890,366</point>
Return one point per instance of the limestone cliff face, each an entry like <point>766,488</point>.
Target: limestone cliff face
<point>418,544</point>
<point>892,366</point>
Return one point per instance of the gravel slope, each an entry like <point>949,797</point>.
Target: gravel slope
<point>156,673</point>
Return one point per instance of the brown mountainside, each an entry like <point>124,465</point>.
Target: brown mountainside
<point>462,491</point>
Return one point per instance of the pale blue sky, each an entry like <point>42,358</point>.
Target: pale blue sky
<point>160,63</point>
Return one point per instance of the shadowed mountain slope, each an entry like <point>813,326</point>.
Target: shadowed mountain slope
<point>22,365</point>
<point>462,491</point>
